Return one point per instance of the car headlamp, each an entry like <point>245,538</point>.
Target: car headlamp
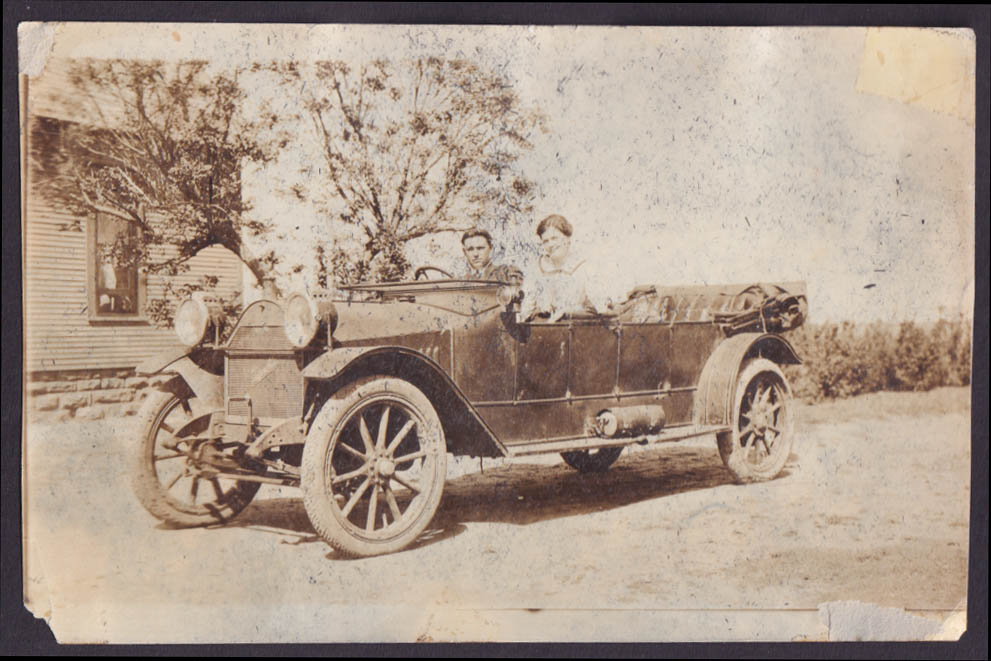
<point>195,316</point>
<point>305,317</point>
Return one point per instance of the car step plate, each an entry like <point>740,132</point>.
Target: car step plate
<point>592,442</point>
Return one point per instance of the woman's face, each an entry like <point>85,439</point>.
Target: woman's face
<point>555,244</point>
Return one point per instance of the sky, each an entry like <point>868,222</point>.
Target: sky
<point>843,157</point>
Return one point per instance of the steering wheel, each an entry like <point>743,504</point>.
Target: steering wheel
<point>423,270</point>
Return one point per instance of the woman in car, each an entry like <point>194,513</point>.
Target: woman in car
<point>559,283</point>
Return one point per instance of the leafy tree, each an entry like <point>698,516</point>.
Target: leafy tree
<point>160,145</point>
<point>410,149</point>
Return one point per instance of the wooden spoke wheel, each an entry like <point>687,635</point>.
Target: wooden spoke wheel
<point>172,472</point>
<point>592,461</point>
<point>374,466</point>
<point>761,439</point>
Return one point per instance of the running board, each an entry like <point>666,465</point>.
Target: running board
<point>592,442</point>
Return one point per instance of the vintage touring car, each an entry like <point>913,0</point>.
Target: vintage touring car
<point>359,400</point>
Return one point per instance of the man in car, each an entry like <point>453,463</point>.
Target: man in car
<point>477,246</point>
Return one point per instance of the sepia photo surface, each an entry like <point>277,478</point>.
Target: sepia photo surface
<point>384,333</point>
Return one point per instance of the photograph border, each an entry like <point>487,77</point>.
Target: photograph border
<point>24,634</point>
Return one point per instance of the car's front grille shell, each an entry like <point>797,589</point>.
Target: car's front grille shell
<point>260,338</point>
<point>273,384</point>
<point>263,378</point>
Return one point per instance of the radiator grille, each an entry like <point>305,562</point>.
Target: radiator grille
<point>274,384</point>
<point>260,338</point>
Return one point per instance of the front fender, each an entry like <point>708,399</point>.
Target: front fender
<point>194,368</point>
<point>466,432</point>
<point>717,384</point>
<point>335,361</point>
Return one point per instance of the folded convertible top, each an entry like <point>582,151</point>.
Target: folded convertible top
<point>739,308</point>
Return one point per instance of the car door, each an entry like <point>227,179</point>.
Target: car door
<point>484,365</point>
<point>542,361</point>
<point>565,370</point>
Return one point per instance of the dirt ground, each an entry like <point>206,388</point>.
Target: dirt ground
<point>872,507</point>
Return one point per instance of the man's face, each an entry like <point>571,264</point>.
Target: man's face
<point>477,252</point>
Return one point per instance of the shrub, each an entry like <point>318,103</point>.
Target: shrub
<point>847,359</point>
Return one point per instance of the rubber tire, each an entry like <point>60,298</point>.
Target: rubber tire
<point>730,449</point>
<point>592,461</point>
<point>319,506</point>
<point>150,492</point>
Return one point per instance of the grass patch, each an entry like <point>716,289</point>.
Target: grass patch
<point>881,405</point>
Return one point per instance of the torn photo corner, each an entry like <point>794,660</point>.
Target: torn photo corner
<point>389,333</point>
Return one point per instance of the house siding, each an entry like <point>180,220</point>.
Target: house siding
<point>75,365</point>
<point>58,331</point>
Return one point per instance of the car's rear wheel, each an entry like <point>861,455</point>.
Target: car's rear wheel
<point>760,441</point>
<point>374,466</point>
<point>592,461</point>
<point>171,473</point>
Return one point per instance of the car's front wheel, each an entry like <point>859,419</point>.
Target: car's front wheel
<point>759,443</point>
<point>374,466</point>
<point>172,469</point>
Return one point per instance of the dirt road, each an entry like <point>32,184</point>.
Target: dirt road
<point>872,506</point>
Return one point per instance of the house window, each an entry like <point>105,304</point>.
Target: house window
<point>116,285</point>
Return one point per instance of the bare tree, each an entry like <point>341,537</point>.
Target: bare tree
<point>411,149</point>
<point>160,146</point>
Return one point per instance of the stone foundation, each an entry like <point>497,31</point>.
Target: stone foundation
<point>87,394</point>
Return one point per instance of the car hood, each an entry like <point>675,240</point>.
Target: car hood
<point>363,320</point>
